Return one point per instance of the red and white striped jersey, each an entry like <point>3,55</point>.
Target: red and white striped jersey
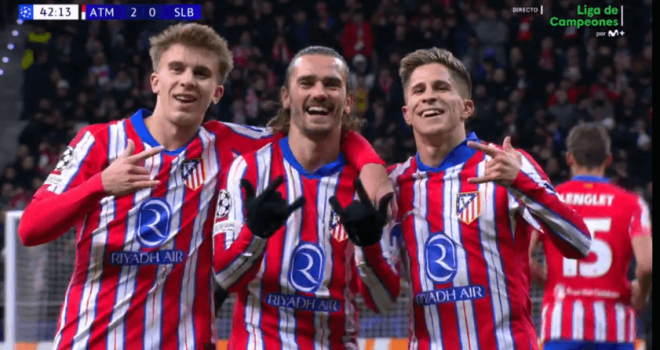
<point>297,289</point>
<point>131,249</point>
<point>589,300</point>
<point>467,249</point>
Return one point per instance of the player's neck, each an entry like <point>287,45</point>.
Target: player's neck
<point>434,149</point>
<point>169,135</point>
<point>313,153</point>
<point>582,171</point>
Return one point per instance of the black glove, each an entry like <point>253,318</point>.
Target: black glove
<point>362,222</point>
<point>268,211</point>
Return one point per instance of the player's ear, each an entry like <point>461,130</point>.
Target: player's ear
<point>406,115</point>
<point>608,161</point>
<point>286,98</point>
<point>217,95</point>
<point>153,79</point>
<point>468,109</point>
<point>349,104</point>
<point>569,159</point>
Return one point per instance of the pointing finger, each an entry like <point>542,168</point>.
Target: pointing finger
<point>507,144</point>
<point>384,202</point>
<point>147,153</point>
<point>336,206</point>
<point>297,204</point>
<point>249,189</point>
<point>491,151</point>
<point>130,148</point>
<point>272,187</point>
<point>479,180</point>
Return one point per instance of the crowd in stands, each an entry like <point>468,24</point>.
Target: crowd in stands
<point>531,80</point>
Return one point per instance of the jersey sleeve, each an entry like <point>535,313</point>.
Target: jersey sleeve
<point>567,230</point>
<point>378,268</point>
<point>72,190</point>
<point>640,222</point>
<point>243,139</point>
<point>237,253</point>
<point>358,151</point>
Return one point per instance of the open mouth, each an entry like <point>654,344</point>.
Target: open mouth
<point>431,112</point>
<point>185,98</point>
<point>318,110</point>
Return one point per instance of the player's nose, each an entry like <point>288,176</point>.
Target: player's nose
<point>318,92</point>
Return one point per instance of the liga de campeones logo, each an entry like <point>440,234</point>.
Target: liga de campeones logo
<point>587,13</point>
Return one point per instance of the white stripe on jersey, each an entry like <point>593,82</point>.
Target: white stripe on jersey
<point>620,311</point>
<point>422,234</point>
<point>496,277</point>
<point>235,173</point>
<point>555,322</point>
<point>349,312</point>
<point>175,196</point>
<point>600,318</point>
<point>128,273</point>
<point>246,260</point>
<point>631,326</point>
<point>562,227</point>
<point>252,132</point>
<point>578,320</point>
<point>69,172</point>
<point>326,188</point>
<point>212,168</point>
<point>395,173</point>
<point>254,297</point>
<point>287,320</point>
<point>87,311</point>
<point>467,328</point>
<point>544,323</point>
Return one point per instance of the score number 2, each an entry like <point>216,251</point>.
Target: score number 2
<point>573,268</point>
<point>152,12</point>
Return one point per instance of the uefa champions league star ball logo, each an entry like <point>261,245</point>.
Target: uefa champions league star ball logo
<point>441,262</point>
<point>65,159</point>
<point>224,204</point>
<point>153,223</point>
<point>25,12</point>
<point>307,265</point>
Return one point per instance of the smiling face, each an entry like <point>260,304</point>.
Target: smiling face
<point>434,104</point>
<point>186,81</point>
<point>316,95</point>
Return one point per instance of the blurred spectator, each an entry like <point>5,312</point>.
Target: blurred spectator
<point>357,37</point>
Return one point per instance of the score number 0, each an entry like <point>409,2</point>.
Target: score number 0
<point>599,247</point>
<point>152,12</point>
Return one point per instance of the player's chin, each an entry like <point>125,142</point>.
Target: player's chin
<point>188,117</point>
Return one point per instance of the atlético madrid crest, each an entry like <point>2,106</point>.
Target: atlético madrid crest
<point>468,206</point>
<point>336,228</point>
<point>193,173</point>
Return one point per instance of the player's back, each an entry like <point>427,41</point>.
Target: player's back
<point>588,299</point>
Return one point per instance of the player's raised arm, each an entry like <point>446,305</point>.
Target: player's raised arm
<point>376,255</point>
<point>519,172</point>
<point>78,183</point>
<point>361,155</point>
<point>244,222</point>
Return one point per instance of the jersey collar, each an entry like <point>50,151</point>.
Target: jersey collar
<point>138,124</point>
<point>323,171</point>
<point>590,178</point>
<point>460,154</point>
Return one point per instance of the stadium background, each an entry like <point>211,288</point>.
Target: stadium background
<point>532,81</point>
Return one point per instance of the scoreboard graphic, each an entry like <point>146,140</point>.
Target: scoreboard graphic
<point>105,12</point>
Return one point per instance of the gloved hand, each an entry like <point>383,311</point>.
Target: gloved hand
<point>268,211</point>
<point>362,221</point>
